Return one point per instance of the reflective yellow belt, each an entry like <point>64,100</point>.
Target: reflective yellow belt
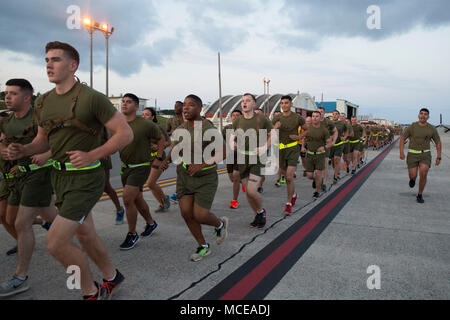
<point>417,151</point>
<point>7,175</point>
<point>374,135</point>
<point>354,141</point>
<point>70,167</point>
<point>204,169</point>
<point>154,154</point>
<point>34,167</point>
<point>339,144</point>
<point>315,153</point>
<point>135,165</point>
<point>249,153</point>
<point>290,145</point>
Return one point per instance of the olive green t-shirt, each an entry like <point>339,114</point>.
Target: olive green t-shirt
<point>357,132</point>
<point>18,128</point>
<point>173,123</point>
<point>420,137</point>
<point>341,127</point>
<point>257,122</point>
<point>138,150</point>
<point>93,109</point>
<point>317,137</point>
<point>289,126</point>
<point>197,144</point>
<point>329,125</point>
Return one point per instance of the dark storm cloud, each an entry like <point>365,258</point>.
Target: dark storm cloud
<point>26,26</point>
<point>348,18</point>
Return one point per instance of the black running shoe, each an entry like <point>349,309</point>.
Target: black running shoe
<point>149,229</point>
<point>420,199</point>
<point>353,171</point>
<point>99,295</point>
<point>412,183</point>
<point>316,195</point>
<point>12,251</point>
<point>112,285</point>
<point>130,241</point>
<point>314,184</point>
<point>46,225</point>
<point>260,220</point>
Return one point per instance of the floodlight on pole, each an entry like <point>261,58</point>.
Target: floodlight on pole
<point>91,26</point>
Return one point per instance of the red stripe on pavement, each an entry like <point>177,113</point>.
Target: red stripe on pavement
<point>250,281</point>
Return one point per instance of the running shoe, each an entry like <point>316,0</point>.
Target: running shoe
<point>119,216</point>
<point>149,229</point>
<point>12,251</point>
<point>353,171</point>
<point>278,184</point>
<point>234,204</point>
<point>112,285</point>
<point>46,225</point>
<point>294,199</point>
<point>283,180</point>
<point>130,241</point>
<point>288,209</point>
<point>420,198</point>
<point>304,173</point>
<point>222,233</point>
<point>13,286</point>
<point>243,188</point>
<point>295,175</point>
<point>165,207</point>
<point>335,180</point>
<point>261,190</point>
<point>316,195</point>
<point>412,183</point>
<point>260,220</point>
<point>200,253</point>
<point>174,198</point>
<point>324,187</point>
<point>99,295</point>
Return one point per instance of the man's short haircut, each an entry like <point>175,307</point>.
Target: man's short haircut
<point>132,97</point>
<point>321,108</point>
<point>425,110</point>
<point>23,84</point>
<point>238,111</point>
<point>315,112</point>
<point>286,97</point>
<point>153,112</point>
<point>70,51</point>
<point>251,95</point>
<point>197,100</point>
<point>178,102</point>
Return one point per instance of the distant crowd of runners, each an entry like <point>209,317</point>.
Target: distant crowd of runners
<point>55,165</point>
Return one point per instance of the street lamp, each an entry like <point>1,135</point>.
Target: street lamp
<point>266,91</point>
<point>91,26</point>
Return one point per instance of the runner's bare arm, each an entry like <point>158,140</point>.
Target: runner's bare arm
<point>402,148</point>
<point>438,151</point>
<point>123,135</point>
<point>38,145</point>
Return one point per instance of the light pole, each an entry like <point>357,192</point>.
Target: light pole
<point>91,26</point>
<point>266,92</point>
<point>107,32</point>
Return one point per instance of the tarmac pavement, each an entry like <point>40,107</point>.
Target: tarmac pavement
<point>381,225</point>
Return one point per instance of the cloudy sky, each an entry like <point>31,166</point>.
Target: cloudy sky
<point>168,49</point>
